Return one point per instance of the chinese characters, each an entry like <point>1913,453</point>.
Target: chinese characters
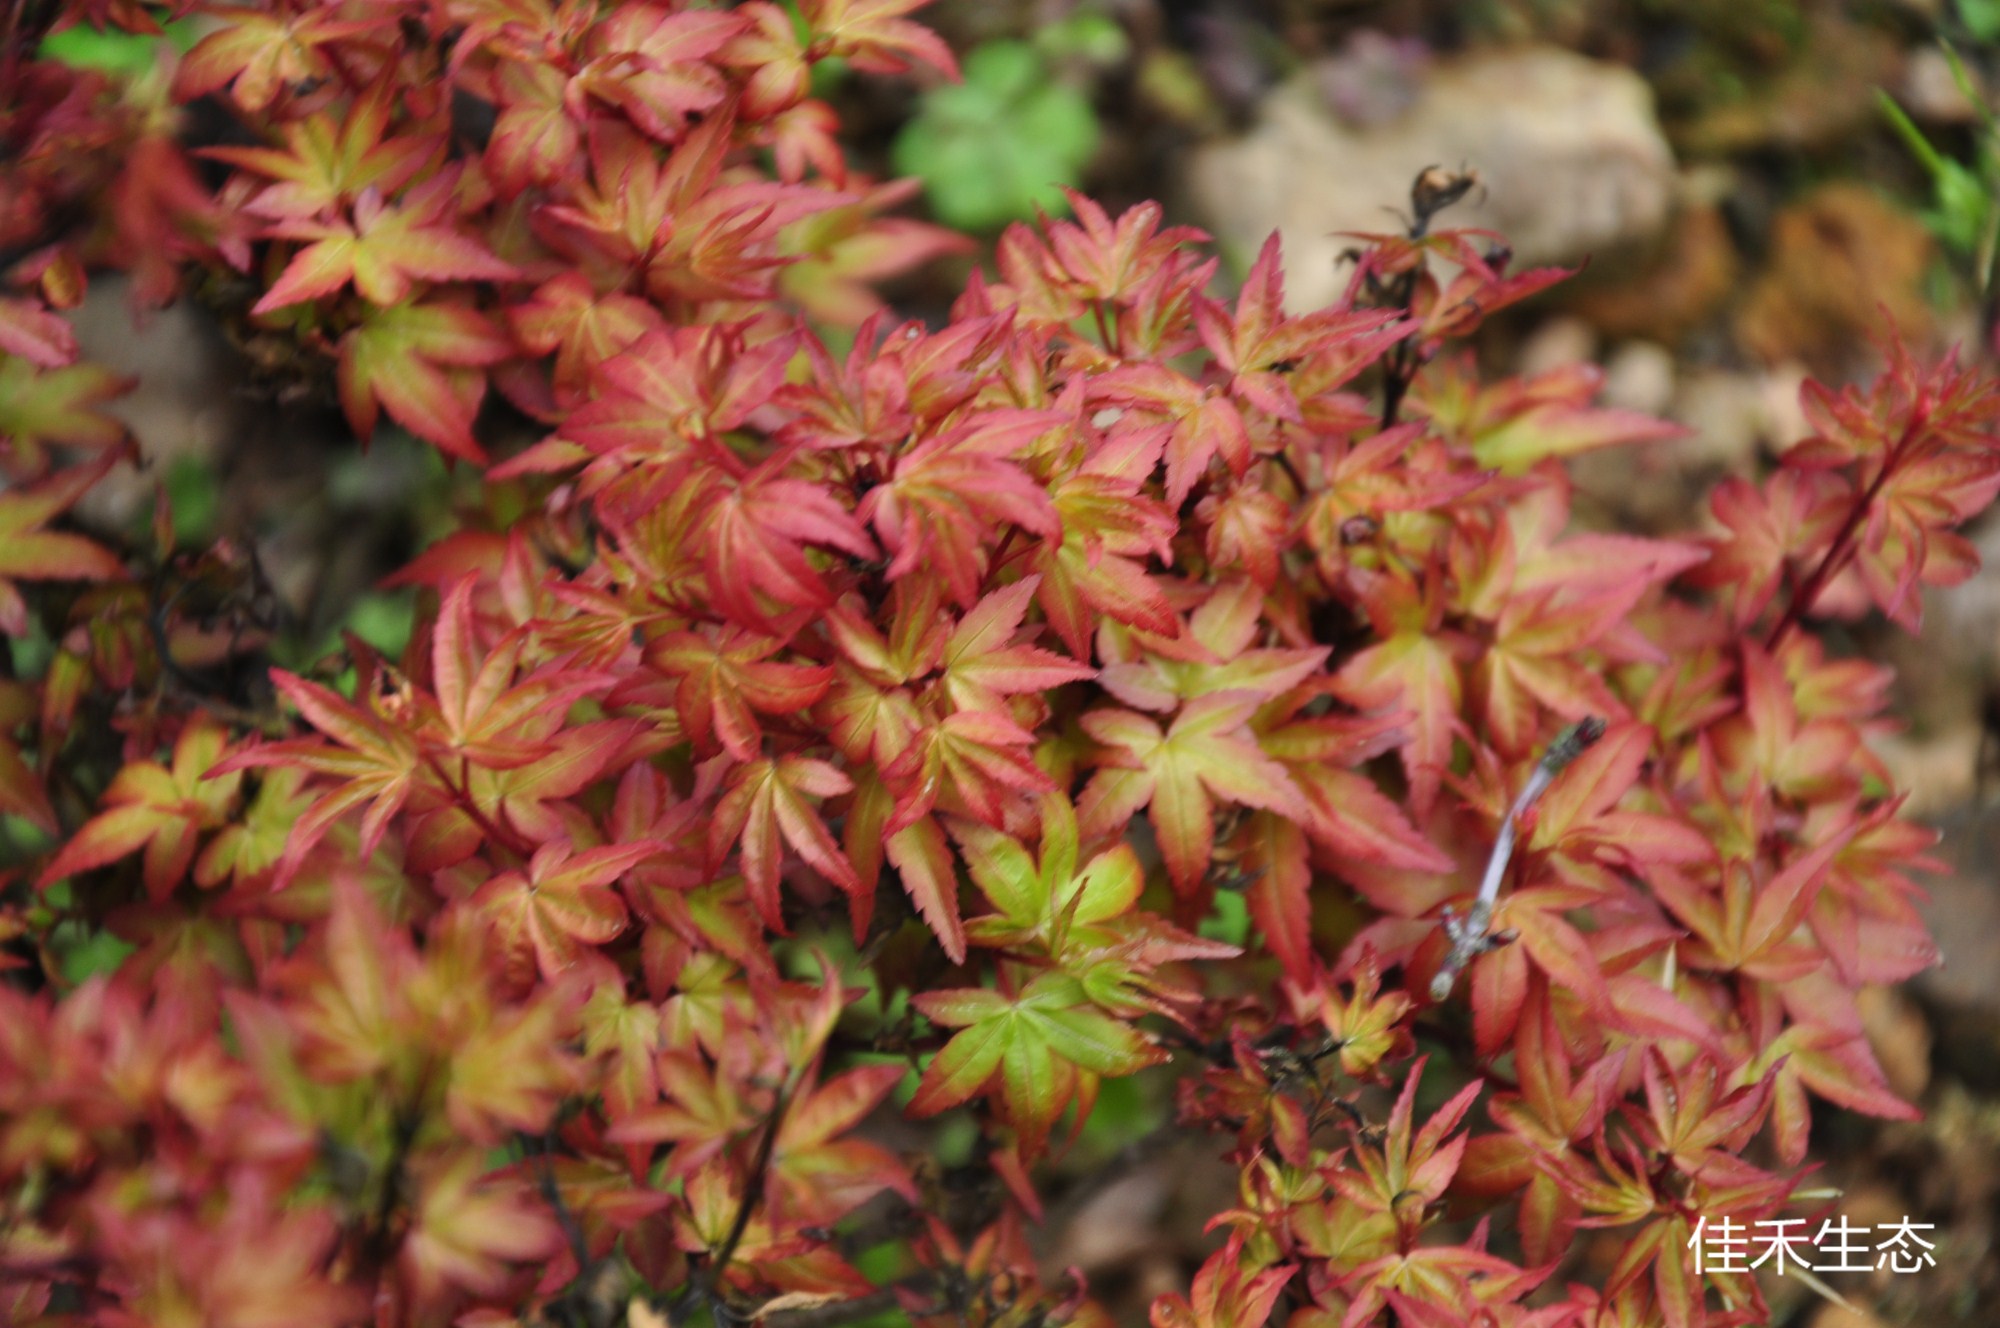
<point>1729,1246</point>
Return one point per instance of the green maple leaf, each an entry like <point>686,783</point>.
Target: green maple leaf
<point>1051,901</point>
<point>1046,1045</point>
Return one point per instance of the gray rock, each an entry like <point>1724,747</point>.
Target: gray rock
<point>180,406</point>
<point>1930,90</point>
<point>1558,342</point>
<point>1569,151</point>
<point>1640,376</point>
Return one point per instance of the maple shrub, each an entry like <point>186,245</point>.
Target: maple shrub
<point>802,744</point>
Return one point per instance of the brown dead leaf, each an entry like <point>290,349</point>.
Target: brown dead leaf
<point>1685,283</point>
<point>795,1300</point>
<point>1837,258</point>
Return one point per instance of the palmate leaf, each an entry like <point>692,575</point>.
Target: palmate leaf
<point>1835,1064</point>
<point>1114,259</point>
<point>326,161</point>
<point>1750,923</point>
<point>585,327</point>
<point>1052,899</point>
<point>755,538</point>
<point>1200,425</point>
<point>382,250</point>
<point>846,252</point>
<point>982,663</point>
<point>699,1111</point>
<point>375,757</point>
<point>667,388</point>
<point>722,679</point>
<point>1515,424</point>
<point>1767,528</point>
<point>723,239</point>
<point>536,137</point>
<point>978,763</point>
<point>1414,672</point>
<point>470,1226</point>
<point>765,810</point>
<point>1438,1286</point>
<point>530,800</point>
<point>419,362</point>
<point>655,66</point>
<point>873,35</point>
<point>250,845</point>
<point>1580,823</point>
<point>162,809</point>
<point>30,553</point>
<point>1207,754</point>
<point>626,1037</point>
<point>353,995</point>
<point>259,55</point>
<point>1553,945</point>
<point>1554,604</point>
<point>1413,1166</point>
<point>822,1177</point>
<point>1252,345</point>
<point>1109,528</point>
<point>488,715</point>
<point>1225,1294</point>
<point>544,917</point>
<point>950,489</point>
<point>1045,1046</point>
<point>1217,653</point>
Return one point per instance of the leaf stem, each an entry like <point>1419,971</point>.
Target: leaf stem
<point>1103,329</point>
<point>377,1244</point>
<point>1842,547</point>
<point>543,1149</point>
<point>1291,471</point>
<point>999,557</point>
<point>462,793</point>
<point>753,1195</point>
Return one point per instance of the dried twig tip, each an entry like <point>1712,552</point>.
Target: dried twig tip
<point>1437,189</point>
<point>1571,743</point>
<point>1468,934</point>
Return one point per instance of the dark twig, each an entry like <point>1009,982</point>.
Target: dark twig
<point>1292,472</point>
<point>461,792</point>
<point>753,1188</point>
<point>377,1244</point>
<point>543,1150</point>
<point>705,1289</point>
<point>1434,190</point>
